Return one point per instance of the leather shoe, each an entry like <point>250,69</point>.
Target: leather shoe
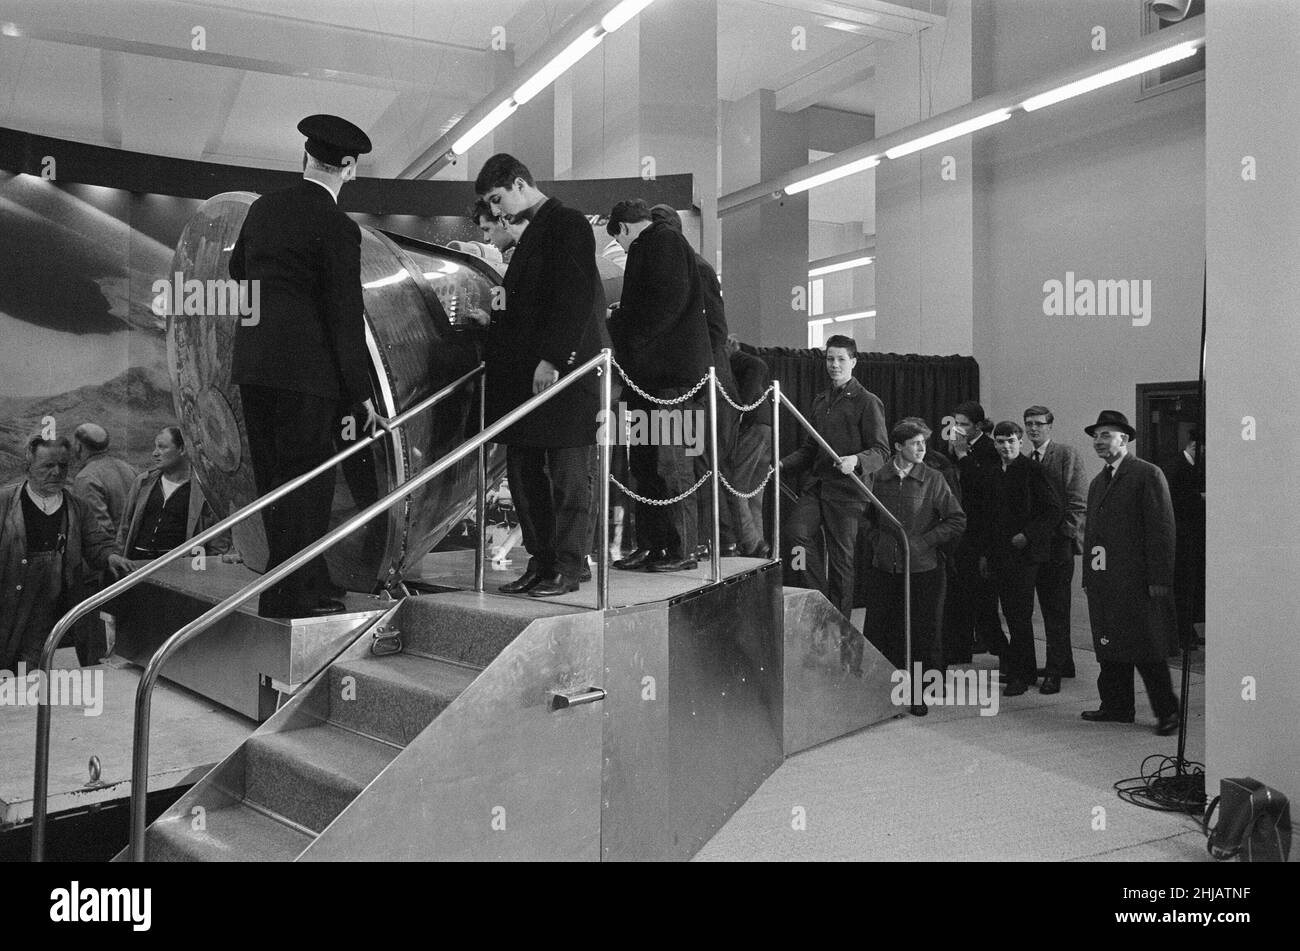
<point>1044,672</point>
<point>525,582</point>
<point>1014,688</point>
<point>672,563</point>
<point>761,550</point>
<point>729,551</point>
<point>586,575</point>
<point>1167,726</point>
<point>325,607</point>
<point>551,585</point>
<point>1051,684</point>
<point>637,560</point>
<point>1105,716</point>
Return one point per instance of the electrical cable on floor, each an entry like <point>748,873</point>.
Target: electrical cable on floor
<point>1165,787</point>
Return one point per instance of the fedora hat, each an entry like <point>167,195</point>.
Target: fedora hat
<point>1113,418</point>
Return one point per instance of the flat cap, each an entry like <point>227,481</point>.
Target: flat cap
<point>331,139</point>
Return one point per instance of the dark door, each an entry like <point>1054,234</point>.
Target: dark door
<point>1167,414</point>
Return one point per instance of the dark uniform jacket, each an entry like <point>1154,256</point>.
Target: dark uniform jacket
<point>1130,522</point>
<point>970,467</point>
<point>715,316</point>
<point>661,337</point>
<point>554,311</point>
<point>1019,501</point>
<point>310,334</point>
<point>852,420</point>
<point>752,378</point>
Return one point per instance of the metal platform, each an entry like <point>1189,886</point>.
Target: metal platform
<point>244,662</point>
<point>193,735</point>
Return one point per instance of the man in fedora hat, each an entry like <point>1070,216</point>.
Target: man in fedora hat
<point>303,362</point>
<point>1128,568</point>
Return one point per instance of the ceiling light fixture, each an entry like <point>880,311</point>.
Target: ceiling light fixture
<point>858,316</point>
<point>952,132</point>
<point>1112,75</point>
<point>483,127</point>
<point>840,266</point>
<point>852,168</point>
<point>556,67</point>
<point>625,11</point>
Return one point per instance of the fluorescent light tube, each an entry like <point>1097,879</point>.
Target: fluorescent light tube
<point>1112,75</point>
<point>841,266</point>
<point>556,67</point>
<point>484,126</point>
<point>852,168</point>
<point>857,316</point>
<point>952,132</point>
<point>625,11</point>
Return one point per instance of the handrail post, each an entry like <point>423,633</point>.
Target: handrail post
<point>715,554</point>
<point>776,472</point>
<point>480,504</point>
<point>606,451</point>
<point>40,783</point>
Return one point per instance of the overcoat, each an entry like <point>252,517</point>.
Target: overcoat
<point>554,311</point>
<point>1129,528</point>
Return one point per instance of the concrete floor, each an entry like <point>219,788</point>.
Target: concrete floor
<point>1032,783</point>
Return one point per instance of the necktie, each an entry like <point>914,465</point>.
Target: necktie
<point>1110,473</point>
<point>1038,456</point>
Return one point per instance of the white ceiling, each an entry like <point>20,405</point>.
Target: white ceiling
<point>123,73</point>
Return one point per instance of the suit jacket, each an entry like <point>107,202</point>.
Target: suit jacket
<point>661,336</point>
<point>310,335</point>
<point>1130,530</point>
<point>554,311</point>
<point>715,317</point>
<point>1065,471</point>
<point>852,420</point>
<point>752,378</point>
<point>103,484</point>
<point>1019,501</point>
<point>199,517</point>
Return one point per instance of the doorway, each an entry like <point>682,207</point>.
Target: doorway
<point>1166,415</point>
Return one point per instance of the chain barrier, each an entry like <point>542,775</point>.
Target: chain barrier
<point>673,501</point>
<point>745,409</point>
<point>747,495</point>
<point>654,399</point>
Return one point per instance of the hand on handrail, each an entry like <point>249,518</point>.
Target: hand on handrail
<point>375,421</point>
<point>119,567</point>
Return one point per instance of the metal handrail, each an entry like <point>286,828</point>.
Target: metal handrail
<point>40,790</point>
<point>144,691</point>
<point>902,534</point>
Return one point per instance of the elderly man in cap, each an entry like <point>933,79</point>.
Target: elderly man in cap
<point>1128,568</point>
<point>303,364</point>
<point>103,480</point>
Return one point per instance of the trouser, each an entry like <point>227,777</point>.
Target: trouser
<point>551,488</point>
<point>972,610</point>
<point>884,627</point>
<point>1014,578</point>
<point>1053,588</point>
<point>290,433</point>
<point>751,455</point>
<point>33,609</point>
<point>664,472</point>
<point>811,520</point>
<point>1115,684</point>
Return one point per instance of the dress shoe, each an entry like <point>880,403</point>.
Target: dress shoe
<point>1167,726</point>
<point>637,560</point>
<point>761,550</point>
<point>586,574</point>
<point>1014,688</point>
<point>1051,684</point>
<point>1105,716</point>
<point>729,551</point>
<point>672,563</point>
<point>551,585</point>
<point>525,582</point>
<point>1044,672</point>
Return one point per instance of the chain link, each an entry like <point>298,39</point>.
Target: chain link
<point>747,495</point>
<point>673,501</point>
<point>654,399</point>
<point>744,409</point>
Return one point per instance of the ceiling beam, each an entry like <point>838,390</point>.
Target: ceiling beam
<point>810,89</point>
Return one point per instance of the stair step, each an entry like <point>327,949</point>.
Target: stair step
<point>393,698</point>
<point>311,775</point>
<point>235,833</point>
<point>469,627</point>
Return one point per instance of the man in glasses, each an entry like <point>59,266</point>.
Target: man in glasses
<point>551,323</point>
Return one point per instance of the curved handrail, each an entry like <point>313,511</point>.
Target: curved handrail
<point>40,790</point>
<point>144,691</point>
<point>902,534</point>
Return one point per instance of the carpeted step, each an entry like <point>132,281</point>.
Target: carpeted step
<point>311,775</point>
<point>395,697</point>
<point>234,833</point>
<point>469,627</point>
